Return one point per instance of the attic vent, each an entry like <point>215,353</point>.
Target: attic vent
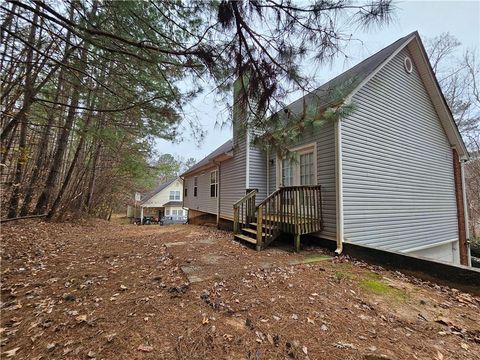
<point>408,64</point>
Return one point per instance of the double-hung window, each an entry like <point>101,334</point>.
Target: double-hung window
<point>174,195</point>
<point>307,170</point>
<point>214,184</point>
<point>299,168</point>
<point>195,186</point>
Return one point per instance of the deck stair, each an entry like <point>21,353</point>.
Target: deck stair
<point>294,209</point>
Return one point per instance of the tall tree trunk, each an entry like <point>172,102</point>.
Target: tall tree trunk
<point>68,177</point>
<point>62,140</point>
<point>27,102</point>
<point>41,154</point>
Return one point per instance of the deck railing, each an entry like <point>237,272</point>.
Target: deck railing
<point>295,210</point>
<point>244,211</point>
<point>291,209</point>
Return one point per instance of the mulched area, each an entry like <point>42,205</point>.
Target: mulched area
<point>100,290</point>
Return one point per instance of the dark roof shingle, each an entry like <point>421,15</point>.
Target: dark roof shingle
<point>222,149</point>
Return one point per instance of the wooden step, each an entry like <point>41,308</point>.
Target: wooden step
<point>253,232</point>
<point>250,231</point>
<point>245,238</point>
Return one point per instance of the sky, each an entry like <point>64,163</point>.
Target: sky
<point>430,18</point>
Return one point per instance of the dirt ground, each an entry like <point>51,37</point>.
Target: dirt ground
<point>99,290</point>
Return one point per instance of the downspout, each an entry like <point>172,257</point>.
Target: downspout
<point>218,192</point>
<point>183,195</point>
<point>268,172</point>
<point>247,160</point>
<point>465,212</point>
<point>339,185</point>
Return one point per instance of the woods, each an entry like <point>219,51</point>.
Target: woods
<point>88,85</point>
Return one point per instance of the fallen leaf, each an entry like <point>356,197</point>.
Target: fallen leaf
<point>145,348</point>
<point>81,318</point>
<point>305,350</point>
<point>464,346</point>
<point>310,321</point>
<point>444,321</point>
<point>343,345</point>
<point>11,353</point>
<point>204,320</point>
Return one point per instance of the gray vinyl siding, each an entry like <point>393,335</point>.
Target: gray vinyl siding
<point>258,171</point>
<point>324,137</point>
<point>203,201</point>
<point>232,179</point>
<point>398,184</point>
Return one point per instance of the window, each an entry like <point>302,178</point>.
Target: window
<point>185,192</point>
<point>180,213</point>
<point>287,172</point>
<point>174,212</point>
<point>300,168</point>
<point>195,186</point>
<point>167,212</point>
<point>307,171</point>
<point>174,195</point>
<point>213,184</point>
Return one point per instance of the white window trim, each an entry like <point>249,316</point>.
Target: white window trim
<point>408,64</point>
<point>174,195</point>
<point>301,149</point>
<point>214,183</point>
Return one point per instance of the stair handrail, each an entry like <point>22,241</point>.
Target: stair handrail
<point>244,210</point>
<point>245,197</point>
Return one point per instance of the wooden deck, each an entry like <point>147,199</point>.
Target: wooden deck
<point>295,210</point>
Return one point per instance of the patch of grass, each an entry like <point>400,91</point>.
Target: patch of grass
<point>315,258</point>
<point>375,286</point>
<point>341,275</point>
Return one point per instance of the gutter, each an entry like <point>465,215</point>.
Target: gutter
<point>339,185</point>
<point>465,213</point>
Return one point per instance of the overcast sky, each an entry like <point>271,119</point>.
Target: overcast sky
<point>430,18</point>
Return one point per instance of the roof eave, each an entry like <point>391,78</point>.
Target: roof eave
<point>211,163</point>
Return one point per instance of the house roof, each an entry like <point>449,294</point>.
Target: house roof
<point>354,78</point>
<point>207,161</point>
<point>173,203</point>
<point>324,96</point>
<point>155,191</point>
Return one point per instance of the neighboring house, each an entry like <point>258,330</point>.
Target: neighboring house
<point>165,200</point>
<point>386,176</point>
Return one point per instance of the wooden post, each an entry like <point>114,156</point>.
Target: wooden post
<point>235,219</point>
<point>259,228</point>
<point>297,242</point>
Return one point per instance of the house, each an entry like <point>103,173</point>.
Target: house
<point>387,176</point>
<point>165,200</point>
